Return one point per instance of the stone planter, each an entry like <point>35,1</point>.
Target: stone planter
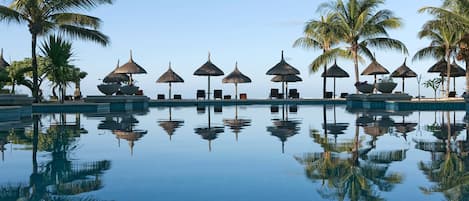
<point>386,87</point>
<point>129,89</point>
<point>365,88</point>
<point>108,89</point>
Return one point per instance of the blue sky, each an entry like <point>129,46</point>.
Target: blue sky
<point>252,32</point>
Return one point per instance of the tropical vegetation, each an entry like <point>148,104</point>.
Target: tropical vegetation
<point>46,16</point>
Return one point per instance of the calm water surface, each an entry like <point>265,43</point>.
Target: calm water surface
<point>237,153</point>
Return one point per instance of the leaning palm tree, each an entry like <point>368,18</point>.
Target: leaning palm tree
<point>45,16</point>
<point>319,34</point>
<point>362,25</point>
<point>444,38</point>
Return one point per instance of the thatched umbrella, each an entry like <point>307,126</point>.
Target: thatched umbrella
<point>131,68</point>
<point>208,69</point>
<point>456,71</point>
<point>375,68</point>
<point>236,77</point>
<point>169,77</point>
<point>403,72</point>
<point>114,77</point>
<point>283,68</point>
<point>286,79</point>
<point>3,63</point>
<point>336,72</point>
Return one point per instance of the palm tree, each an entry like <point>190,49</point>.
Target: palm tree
<point>361,25</point>
<point>45,16</point>
<point>444,43</point>
<point>19,72</point>
<point>60,71</point>
<point>319,34</point>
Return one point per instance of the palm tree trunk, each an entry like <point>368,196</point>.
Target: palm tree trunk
<point>355,63</point>
<point>324,82</point>
<point>34,65</point>
<point>467,75</point>
<point>448,72</point>
<point>13,87</point>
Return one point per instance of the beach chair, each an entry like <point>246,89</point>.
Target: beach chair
<point>243,96</point>
<point>160,97</point>
<point>273,93</point>
<point>452,94</point>
<point>227,97</point>
<point>217,94</point>
<point>343,95</point>
<point>177,96</point>
<point>293,93</point>
<point>280,95</point>
<point>328,94</point>
<point>200,94</point>
<point>139,93</point>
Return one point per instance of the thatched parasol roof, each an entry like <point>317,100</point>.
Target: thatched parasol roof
<point>169,76</point>
<point>113,77</point>
<point>236,77</point>
<point>335,71</point>
<point>286,78</point>
<point>456,71</point>
<point>404,71</point>
<point>209,69</point>
<point>375,68</point>
<point>131,67</point>
<point>3,63</point>
<point>283,68</point>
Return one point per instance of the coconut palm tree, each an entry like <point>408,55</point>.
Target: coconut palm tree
<point>319,34</point>
<point>362,25</point>
<point>45,16</point>
<point>444,43</point>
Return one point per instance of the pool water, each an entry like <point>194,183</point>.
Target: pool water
<point>237,153</point>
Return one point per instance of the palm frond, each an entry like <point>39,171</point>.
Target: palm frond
<point>429,52</point>
<point>77,20</point>
<point>85,34</point>
<point>387,43</point>
<point>66,5</point>
<point>307,43</point>
<point>9,15</point>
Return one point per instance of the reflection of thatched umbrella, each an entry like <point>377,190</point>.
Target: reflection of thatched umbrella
<point>131,136</point>
<point>237,124</point>
<point>236,77</point>
<point>403,72</point>
<point>169,77</point>
<point>375,68</point>
<point>405,128</point>
<point>3,63</point>
<point>286,79</point>
<point>375,130</point>
<point>130,68</point>
<point>283,129</point>
<point>209,133</point>
<point>114,77</point>
<point>335,72</point>
<point>208,69</point>
<point>456,71</point>
<point>170,125</point>
<point>283,68</point>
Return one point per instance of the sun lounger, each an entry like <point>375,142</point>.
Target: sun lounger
<point>160,97</point>
<point>177,96</point>
<point>217,94</point>
<point>227,97</point>
<point>343,95</point>
<point>200,94</point>
<point>293,93</point>
<point>452,94</point>
<point>329,94</point>
<point>273,93</point>
<point>243,96</point>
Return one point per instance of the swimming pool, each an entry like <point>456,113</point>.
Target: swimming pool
<point>277,152</point>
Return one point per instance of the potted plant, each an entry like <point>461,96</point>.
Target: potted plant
<point>364,87</point>
<point>385,85</point>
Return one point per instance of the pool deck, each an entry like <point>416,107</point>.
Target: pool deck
<point>414,104</point>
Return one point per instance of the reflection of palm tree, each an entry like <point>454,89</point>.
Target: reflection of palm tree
<point>356,177</point>
<point>448,169</point>
<point>59,177</point>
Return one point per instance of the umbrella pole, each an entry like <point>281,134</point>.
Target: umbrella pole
<point>403,84</point>
<point>130,80</point>
<point>454,84</point>
<point>169,96</point>
<point>374,85</point>
<point>170,114</point>
<point>286,90</point>
<point>236,91</point>
<point>208,91</point>
<point>334,88</point>
<point>283,88</point>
